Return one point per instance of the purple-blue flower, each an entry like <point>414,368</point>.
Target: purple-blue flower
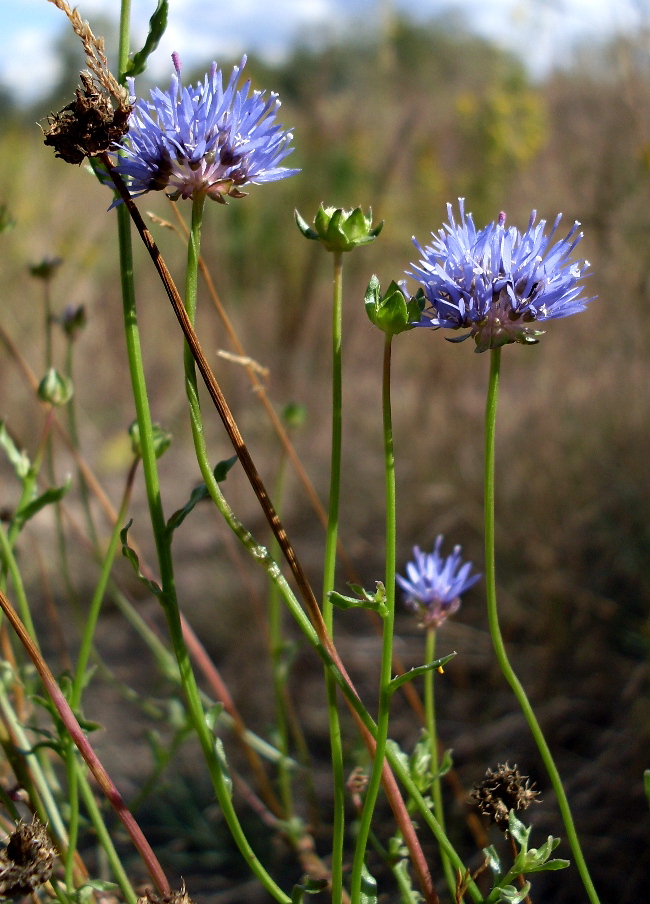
<point>434,585</point>
<point>205,139</point>
<point>497,282</point>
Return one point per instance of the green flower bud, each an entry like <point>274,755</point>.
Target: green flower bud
<point>340,230</point>
<point>294,415</point>
<point>55,388</point>
<point>161,439</point>
<point>393,312</point>
<point>7,222</point>
<point>46,268</point>
<point>73,320</point>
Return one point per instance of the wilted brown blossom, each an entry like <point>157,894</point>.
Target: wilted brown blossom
<point>28,860</point>
<point>174,897</point>
<point>503,791</point>
<point>88,125</point>
<point>98,116</point>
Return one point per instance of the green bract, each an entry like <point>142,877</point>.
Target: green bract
<point>393,312</point>
<point>340,230</point>
<point>55,388</point>
<point>161,439</point>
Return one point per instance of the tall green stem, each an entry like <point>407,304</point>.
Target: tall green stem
<point>430,719</point>
<point>261,556</point>
<point>497,639</point>
<point>387,634</point>
<point>206,738</point>
<point>277,651</point>
<point>73,430</point>
<point>100,590</point>
<point>152,484</point>
<point>72,765</point>
<point>104,836</point>
<point>10,565</point>
<point>329,570</point>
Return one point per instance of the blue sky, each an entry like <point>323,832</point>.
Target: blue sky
<point>202,30</point>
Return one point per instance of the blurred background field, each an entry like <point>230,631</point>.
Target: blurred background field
<point>403,120</point>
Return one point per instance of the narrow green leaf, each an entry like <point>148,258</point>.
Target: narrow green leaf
<point>221,756</point>
<point>519,831</point>
<point>446,764</point>
<point>512,895</point>
<point>157,27</point>
<point>350,602</point>
<point>492,859</point>
<point>416,672</point>
<point>17,459</point>
<point>132,556</point>
<point>49,497</point>
<point>549,866</point>
<point>308,233</point>
<point>308,887</point>
<point>368,887</point>
<point>86,892</point>
<point>646,784</point>
<point>408,894</point>
<point>198,494</point>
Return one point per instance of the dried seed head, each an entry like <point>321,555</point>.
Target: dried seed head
<point>503,791</point>
<point>98,117</point>
<point>88,125</point>
<point>174,897</point>
<point>28,860</point>
<point>358,781</point>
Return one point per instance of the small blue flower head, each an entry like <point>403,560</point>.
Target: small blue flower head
<point>498,282</point>
<point>204,140</point>
<point>434,585</point>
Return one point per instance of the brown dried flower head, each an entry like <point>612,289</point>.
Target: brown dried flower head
<point>88,125</point>
<point>503,791</point>
<point>28,860</point>
<point>174,897</point>
<point>98,116</point>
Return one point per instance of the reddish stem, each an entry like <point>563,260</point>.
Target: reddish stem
<point>74,730</point>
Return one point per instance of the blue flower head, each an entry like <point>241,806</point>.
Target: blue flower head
<point>434,585</point>
<point>498,282</point>
<point>203,140</point>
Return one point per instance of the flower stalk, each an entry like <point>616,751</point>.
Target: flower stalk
<point>430,718</point>
<point>497,639</point>
<point>329,571</point>
<point>388,617</point>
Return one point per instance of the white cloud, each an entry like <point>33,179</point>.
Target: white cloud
<point>32,64</point>
<point>202,30</point>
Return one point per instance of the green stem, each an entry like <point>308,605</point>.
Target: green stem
<point>104,837</point>
<point>497,639</point>
<point>73,818</point>
<point>277,651</point>
<point>98,595</point>
<point>206,738</point>
<point>72,765</point>
<point>311,605</point>
<point>430,721</point>
<point>260,555</point>
<point>387,635</point>
<point>71,409</point>
<point>45,805</point>
<point>329,571</point>
<point>11,566</point>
